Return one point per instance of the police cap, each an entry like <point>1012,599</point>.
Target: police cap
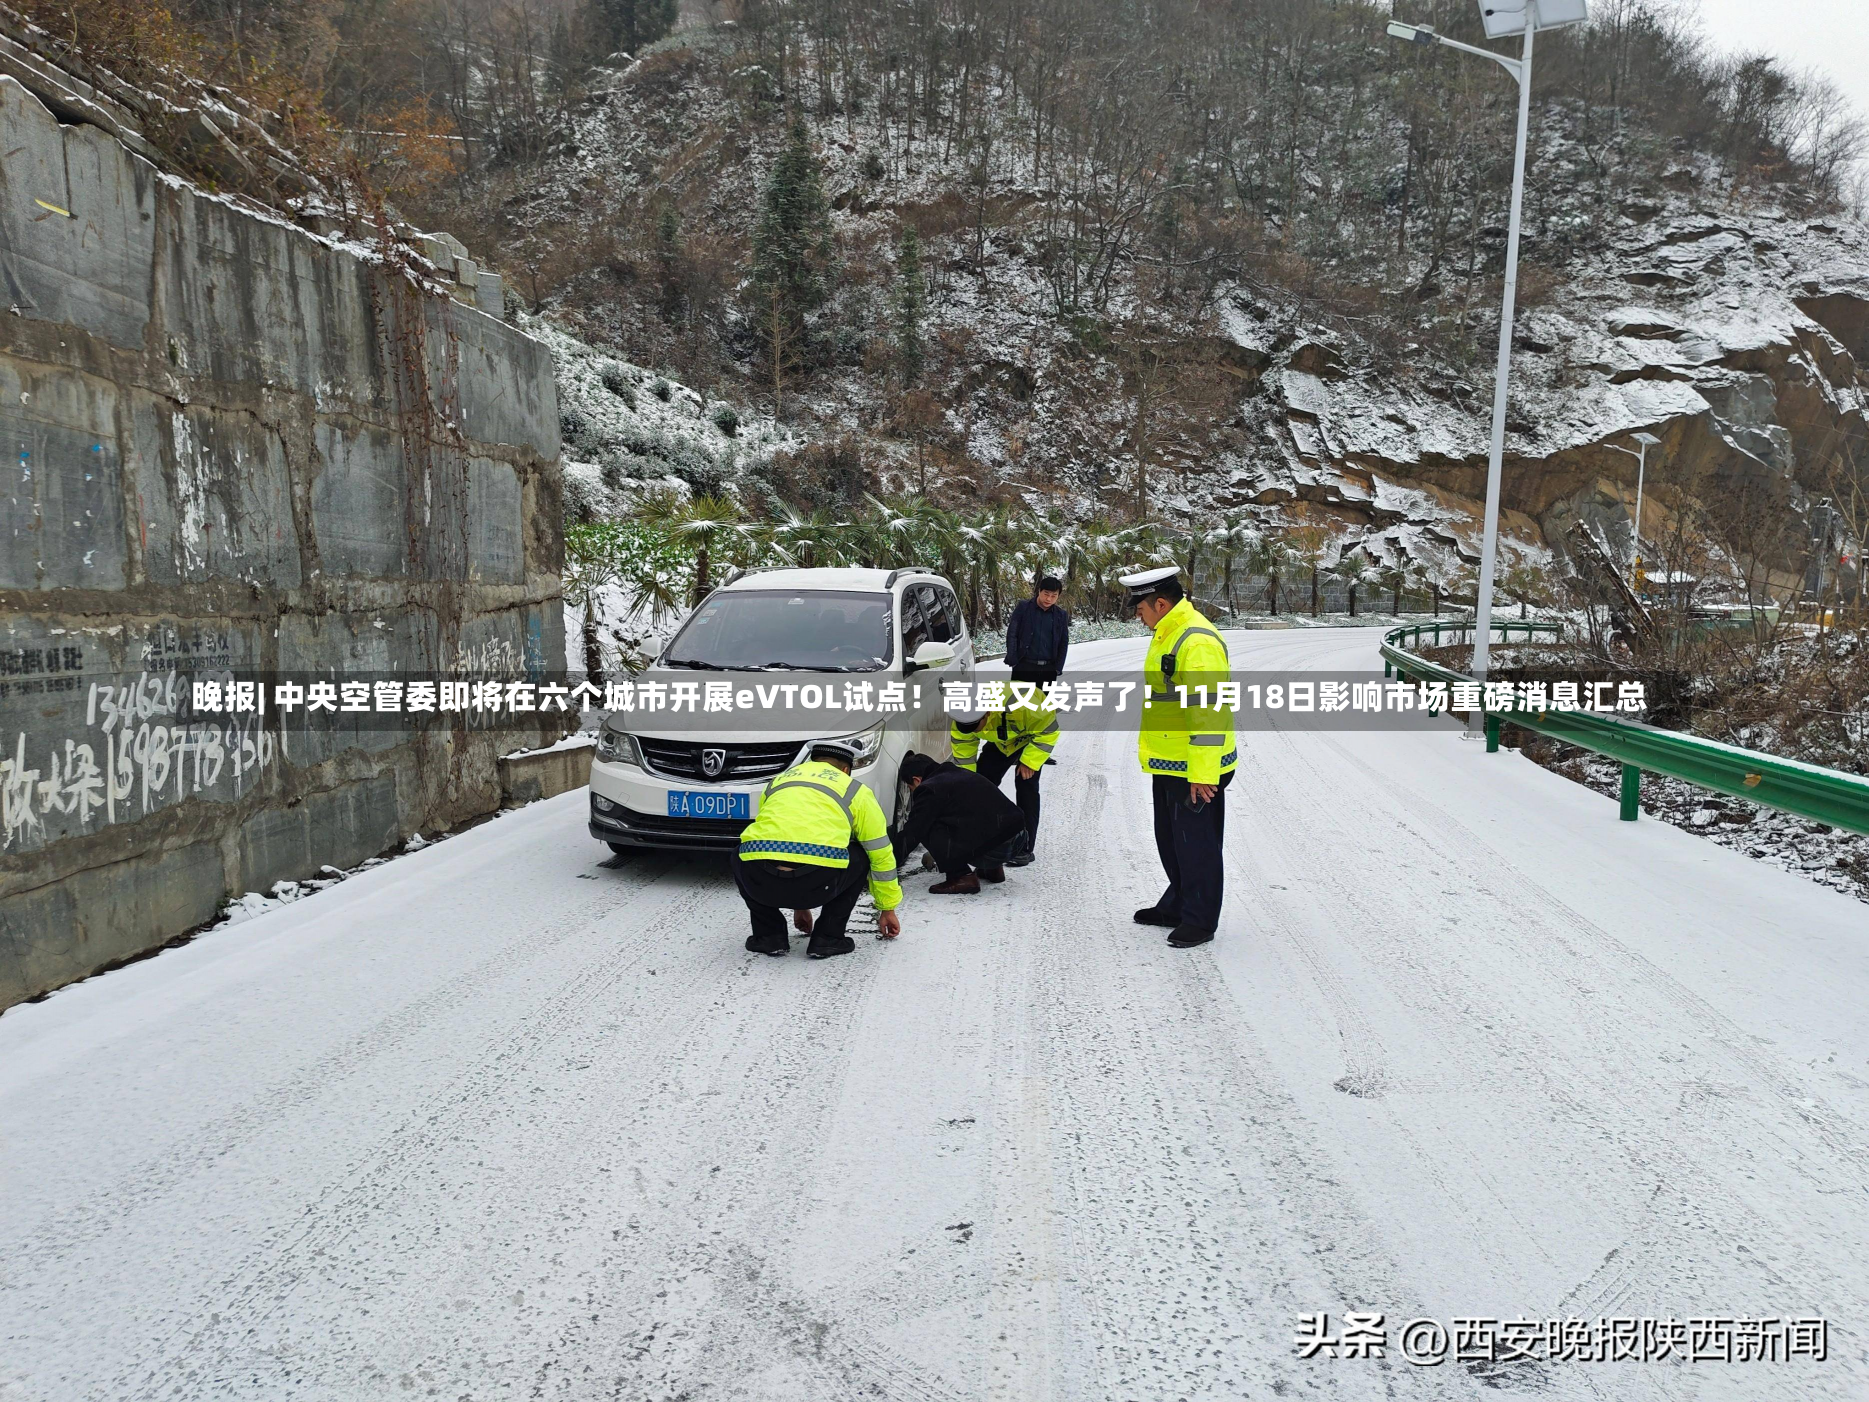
<point>1148,584</point>
<point>843,751</point>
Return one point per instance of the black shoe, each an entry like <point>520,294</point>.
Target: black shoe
<point>762,944</point>
<point>968,885</point>
<point>1186,937</point>
<point>1155,915</point>
<point>993,875</point>
<point>820,948</point>
<point>1022,859</point>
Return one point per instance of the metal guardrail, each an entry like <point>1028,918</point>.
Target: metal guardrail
<point>1808,790</point>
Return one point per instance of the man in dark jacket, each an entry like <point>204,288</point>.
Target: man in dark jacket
<point>968,826</point>
<point>1039,635</point>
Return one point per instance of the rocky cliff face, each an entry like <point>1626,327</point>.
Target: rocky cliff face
<point>1722,320</point>
<point>1736,338</point>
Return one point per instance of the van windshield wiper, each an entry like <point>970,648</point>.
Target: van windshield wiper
<point>698,665</point>
<point>801,667</point>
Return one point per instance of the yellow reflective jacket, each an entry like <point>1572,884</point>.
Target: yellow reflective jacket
<point>1029,732</point>
<point>1191,742</point>
<point>808,815</point>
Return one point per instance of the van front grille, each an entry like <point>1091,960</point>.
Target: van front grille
<point>743,764</point>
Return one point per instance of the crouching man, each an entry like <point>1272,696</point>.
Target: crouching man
<point>1022,735</point>
<point>969,827</point>
<point>818,835</point>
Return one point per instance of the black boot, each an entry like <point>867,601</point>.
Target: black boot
<point>1155,915</point>
<point>1022,859</point>
<point>768,944</point>
<point>1186,937</point>
<point>823,948</point>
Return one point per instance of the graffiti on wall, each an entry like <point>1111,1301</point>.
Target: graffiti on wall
<point>84,744</point>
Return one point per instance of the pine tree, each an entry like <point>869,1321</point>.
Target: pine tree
<point>564,59</point>
<point>791,256</point>
<point>626,25</point>
<point>668,265</point>
<point>911,304</point>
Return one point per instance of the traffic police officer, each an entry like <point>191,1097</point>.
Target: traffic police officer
<point>1188,751</point>
<point>818,833</point>
<point>1027,730</point>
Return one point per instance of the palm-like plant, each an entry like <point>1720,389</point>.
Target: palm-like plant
<point>1311,548</point>
<point>591,563</point>
<point>1237,536</point>
<point>1010,551</point>
<point>1265,555</point>
<point>702,524</point>
<point>1203,542</point>
<point>1096,552</point>
<point>633,556</point>
<point>976,547</point>
<point>1355,568</point>
<point>927,534</point>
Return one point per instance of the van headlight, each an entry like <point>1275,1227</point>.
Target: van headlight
<point>867,743</point>
<point>615,747</point>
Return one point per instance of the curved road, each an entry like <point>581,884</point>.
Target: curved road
<point>502,1120</point>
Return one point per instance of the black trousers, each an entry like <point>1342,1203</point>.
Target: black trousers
<point>771,889</point>
<point>992,767</point>
<point>957,857</point>
<point>1189,841</point>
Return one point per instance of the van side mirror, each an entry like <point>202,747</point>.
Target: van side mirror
<point>929,657</point>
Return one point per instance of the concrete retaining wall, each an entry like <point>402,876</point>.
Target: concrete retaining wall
<point>230,444</point>
<point>527,778</point>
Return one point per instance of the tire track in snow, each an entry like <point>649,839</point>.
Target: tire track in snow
<point>140,1187</point>
<point>1839,1136</point>
<point>1451,992</point>
<point>1185,1173</point>
<point>688,1138</point>
<point>711,1226</point>
<point>273,1267</point>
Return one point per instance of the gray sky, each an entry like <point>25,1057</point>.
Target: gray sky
<point>1831,35</point>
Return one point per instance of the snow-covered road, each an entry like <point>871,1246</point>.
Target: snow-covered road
<point>499,1119</point>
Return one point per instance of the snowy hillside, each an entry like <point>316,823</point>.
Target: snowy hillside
<point>627,430</point>
<point>1725,317</point>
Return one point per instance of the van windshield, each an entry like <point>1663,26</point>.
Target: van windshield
<point>748,630</point>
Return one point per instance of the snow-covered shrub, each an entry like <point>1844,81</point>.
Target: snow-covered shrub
<point>615,444</point>
<point>618,383</point>
<point>820,474</point>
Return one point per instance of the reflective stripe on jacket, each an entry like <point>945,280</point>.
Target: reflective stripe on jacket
<point>1030,732</point>
<point>808,816</point>
<point>1189,742</point>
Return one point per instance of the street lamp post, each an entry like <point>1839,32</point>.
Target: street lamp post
<point>1501,19</point>
<point>1644,441</point>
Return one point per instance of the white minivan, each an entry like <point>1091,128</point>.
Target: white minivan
<point>693,782</point>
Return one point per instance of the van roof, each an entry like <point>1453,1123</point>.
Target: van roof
<point>877,580</point>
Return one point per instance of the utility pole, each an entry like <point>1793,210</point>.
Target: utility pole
<point>1500,21</point>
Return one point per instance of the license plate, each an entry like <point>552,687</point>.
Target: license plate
<point>693,803</point>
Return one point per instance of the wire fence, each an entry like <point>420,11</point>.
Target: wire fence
<point>1302,593</point>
